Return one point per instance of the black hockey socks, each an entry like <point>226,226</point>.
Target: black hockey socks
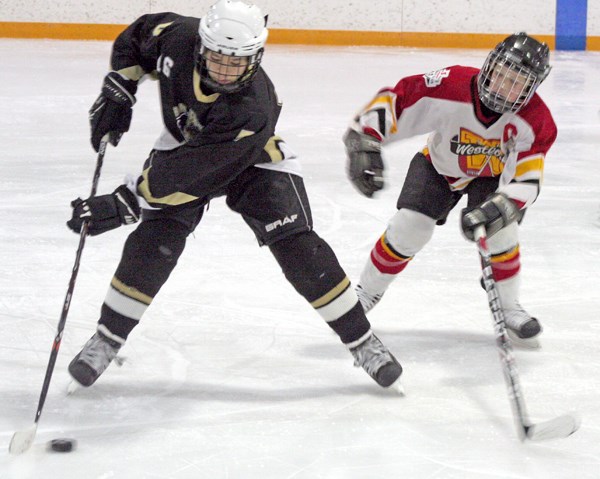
<point>149,256</point>
<point>311,266</point>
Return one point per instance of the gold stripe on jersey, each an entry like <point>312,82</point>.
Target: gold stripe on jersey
<point>201,97</point>
<point>159,29</point>
<point>273,150</point>
<point>507,256</point>
<point>387,100</point>
<point>133,73</point>
<point>244,134</point>
<point>130,292</point>
<point>459,184</point>
<point>332,294</point>
<point>528,165</point>
<point>174,199</point>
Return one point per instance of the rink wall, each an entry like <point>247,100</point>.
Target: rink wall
<point>565,24</point>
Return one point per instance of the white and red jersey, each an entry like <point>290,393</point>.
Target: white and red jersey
<point>463,143</point>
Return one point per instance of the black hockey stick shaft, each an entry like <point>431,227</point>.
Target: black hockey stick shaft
<point>67,303</point>
<point>503,344</point>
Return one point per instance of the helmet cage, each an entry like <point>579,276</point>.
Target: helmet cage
<point>505,85</point>
<point>231,28</point>
<point>512,72</point>
<point>209,77</point>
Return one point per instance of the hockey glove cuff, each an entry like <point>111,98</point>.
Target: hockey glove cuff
<point>494,213</point>
<point>365,165</point>
<point>105,212</point>
<point>112,110</point>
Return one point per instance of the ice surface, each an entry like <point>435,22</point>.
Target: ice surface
<point>231,374</point>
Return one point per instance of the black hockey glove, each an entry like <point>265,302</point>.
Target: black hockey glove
<point>105,212</point>
<point>496,212</point>
<point>365,165</point>
<point>111,112</point>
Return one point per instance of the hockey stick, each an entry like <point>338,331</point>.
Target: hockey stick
<point>22,440</point>
<point>558,427</point>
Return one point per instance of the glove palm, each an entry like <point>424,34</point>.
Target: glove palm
<point>365,165</point>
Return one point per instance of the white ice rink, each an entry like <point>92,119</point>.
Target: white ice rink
<point>231,375</point>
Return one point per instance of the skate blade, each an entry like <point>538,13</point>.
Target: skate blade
<point>73,387</point>
<point>397,387</point>
<point>529,343</point>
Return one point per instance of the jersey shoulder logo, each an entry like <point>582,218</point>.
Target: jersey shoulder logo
<point>159,28</point>
<point>434,78</point>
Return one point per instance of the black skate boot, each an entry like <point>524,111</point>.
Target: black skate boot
<point>521,328</point>
<point>378,362</point>
<point>93,359</point>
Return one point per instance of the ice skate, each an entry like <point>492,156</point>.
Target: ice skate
<point>378,362</point>
<point>367,300</point>
<point>94,358</point>
<point>522,329</point>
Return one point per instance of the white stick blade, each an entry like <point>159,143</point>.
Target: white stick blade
<point>22,440</point>
<point>556,428</point>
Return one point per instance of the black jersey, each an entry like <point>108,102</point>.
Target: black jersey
<point>209,138</point>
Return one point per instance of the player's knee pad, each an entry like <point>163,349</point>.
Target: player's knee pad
<point>150,254</point>
<point>505,239</point>
<point>308,263</point>
<point>409,231</point>
<point>159,239</point>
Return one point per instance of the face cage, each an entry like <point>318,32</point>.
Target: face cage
<point>493,99</point>
<point>241,82</point>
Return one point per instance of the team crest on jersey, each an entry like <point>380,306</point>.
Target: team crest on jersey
<point>477,156</point>
<point>433,79</point>
<point>187,121</point>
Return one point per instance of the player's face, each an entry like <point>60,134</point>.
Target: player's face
<point>225,69</point>
<point>508,83</point>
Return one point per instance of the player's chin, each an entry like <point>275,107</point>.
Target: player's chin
<point>224,81</point>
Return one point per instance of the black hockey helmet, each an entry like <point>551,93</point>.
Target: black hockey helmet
<point>512,72</point>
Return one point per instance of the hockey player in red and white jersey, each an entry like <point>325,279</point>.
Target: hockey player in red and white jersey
<point>489,135</point>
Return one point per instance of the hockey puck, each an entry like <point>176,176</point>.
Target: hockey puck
<point>62,445</point>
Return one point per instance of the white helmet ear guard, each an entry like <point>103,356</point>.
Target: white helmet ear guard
<point>233,28</point>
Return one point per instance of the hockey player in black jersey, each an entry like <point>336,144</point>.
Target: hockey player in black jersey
<point>220,111</point>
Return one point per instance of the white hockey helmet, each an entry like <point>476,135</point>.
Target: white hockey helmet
<point>233,27</point>
<point>236,29</point>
